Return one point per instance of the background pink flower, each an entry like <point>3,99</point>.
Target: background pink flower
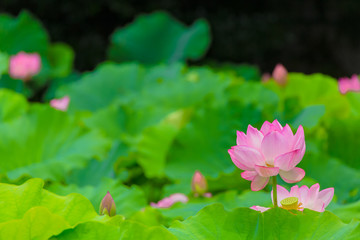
<point>349,84</point>
<point>280,74</point>
<point>265,77</point>
<point>24,65</point>
<point>171,200</point>
<point>271,151</point>
<point>259,208</point>
<point>61,104</point>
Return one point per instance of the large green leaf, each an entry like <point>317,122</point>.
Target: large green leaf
<point>158,37</point>
<point>30,212</point>
<point>309,117</point>
<point>109,82</point>
<point>43,142</point>
<point>213,222</point>
<point>37,223</point>
<point>23,33</point>
<point>17,200</point>
<point>139,117</point>
<point>12,105</point>
<point>122,231</point>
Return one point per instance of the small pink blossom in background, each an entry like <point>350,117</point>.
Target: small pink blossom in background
<point>310,198</point>
<point>265,77</point>
<point>271,151</point>
<point>199,185</point>
<point>61,104</point>
<point>171,200</point>
<point>207,195</point>
<point>349,84</point>
<point>24,65</point>
<point>259,208</point>
<point>280,74</point>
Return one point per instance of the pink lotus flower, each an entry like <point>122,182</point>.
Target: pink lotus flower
<point>280,74</point>
<point>303,197</point>
<point>199,185</point>
<point>24,66</point>
<point>61,103</point>
<point>271,151</point>
<point>349,84</point>
<point>171,200</point>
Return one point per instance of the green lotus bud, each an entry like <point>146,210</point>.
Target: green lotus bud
<point>107,205</point>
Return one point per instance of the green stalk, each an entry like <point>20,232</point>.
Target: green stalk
<point>274,191</point>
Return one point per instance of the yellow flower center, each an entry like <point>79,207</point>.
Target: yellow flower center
<point>290,203</point>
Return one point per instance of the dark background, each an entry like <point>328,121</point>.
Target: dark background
<point>305,35</point>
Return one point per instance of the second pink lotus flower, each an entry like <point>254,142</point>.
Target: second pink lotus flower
<point>271,151</point>
<point>303,197</point>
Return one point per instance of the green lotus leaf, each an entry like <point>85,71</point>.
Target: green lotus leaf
<point>157,38</point>
<point>13,106</point>
<point>16,201</point>
<point>214,222</point>
<point>43,142</point>
<point>37,223</point>
<point>23,33</point>
<point>309,117</point>
<point>124,230</point>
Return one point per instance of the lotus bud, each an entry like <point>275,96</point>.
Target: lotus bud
<point>280,74</point>
<point>199,184</point>
<point>107,205</point>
